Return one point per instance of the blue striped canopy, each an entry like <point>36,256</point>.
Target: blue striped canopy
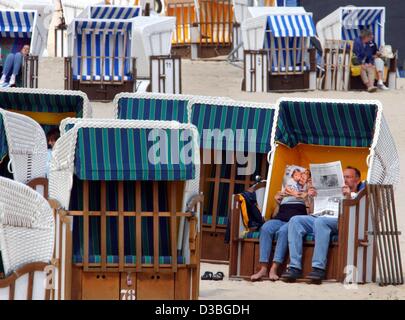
<point>343,124</point>
<point>114,12</point>
<point>16,24</point>
<point>137,108</point>
<point>110,154</point>
<point>356,19</point>
<point>101,38</point>
<point>92,24</point>
<point>297,25</point>
<point>250,128</point>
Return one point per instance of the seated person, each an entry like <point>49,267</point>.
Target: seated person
<point>290,205</point>
<point>12,66</point>
<point>52,136</point>
<point>374,57</point>
<point>360,57</point>
<point>322,227</point>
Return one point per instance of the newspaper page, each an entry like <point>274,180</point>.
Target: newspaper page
<point>328,180</point>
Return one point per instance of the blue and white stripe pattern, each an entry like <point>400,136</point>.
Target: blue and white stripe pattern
<point>114,12</point>
<point>101,37</point>
<point>16,24</point>
<point>291,25</point>
<point>286,32</point>
<point>356,19</point>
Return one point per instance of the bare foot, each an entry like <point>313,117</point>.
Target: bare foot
<point>257,276</point>
<point>273,273</point>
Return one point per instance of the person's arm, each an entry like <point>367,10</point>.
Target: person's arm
<point>309,200</point>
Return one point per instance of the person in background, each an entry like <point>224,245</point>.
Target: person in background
<point>361,57</point>
<point>51,137</point>
<point>374,57</point>
<point>12,66</point>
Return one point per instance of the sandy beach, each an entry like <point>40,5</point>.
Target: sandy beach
<point>219,78</point>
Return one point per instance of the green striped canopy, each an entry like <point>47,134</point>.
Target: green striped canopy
<point>3,140</point>
<point>138,108</point>
<point>57,104</point>
<point>246,128</point>
<point>343,124</point>
<point>123,154</point>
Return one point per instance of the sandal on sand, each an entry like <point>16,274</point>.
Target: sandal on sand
<point>218,276</point>
<point>207,275</point>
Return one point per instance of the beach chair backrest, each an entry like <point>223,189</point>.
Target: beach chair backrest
<point>25,215</point>
<point>17,28</point>
<point>47,107</point>
<point>117,174</point>
<point>114,12</point>
<point>215,21</point>
<point>353,20</point>
<point>101,49</point>
<point>24,141</point>
<point>228,130</point>
<point>184,11</point>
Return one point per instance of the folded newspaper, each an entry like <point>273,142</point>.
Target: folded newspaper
<point>328,180</point>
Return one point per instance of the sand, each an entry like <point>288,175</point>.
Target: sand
<point>219,78</point>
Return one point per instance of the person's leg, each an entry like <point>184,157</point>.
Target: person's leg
<point>323,228</point>
<point>364,77</point>
<point>280,251</point>
<point>298,227</point>
<point>267,232</point>
<point>379,65</point>
<point>7,67</point>
<point>371,74</point>
<point>18,60</point>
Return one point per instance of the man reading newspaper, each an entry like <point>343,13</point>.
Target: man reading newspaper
<point>330,187</point>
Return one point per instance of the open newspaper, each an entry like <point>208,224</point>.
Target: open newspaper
<point>328,180</point>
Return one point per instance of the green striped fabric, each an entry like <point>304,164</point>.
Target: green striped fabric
<point>3,140</point>
<point>137,108</point>
<point>41,102</point>
<point>250,127</point>
<point>340,124</point>
<point>123,154</point>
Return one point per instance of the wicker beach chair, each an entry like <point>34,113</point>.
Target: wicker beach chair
<point>351,131</point>
<point>128,246</point>
<point>26,242</point>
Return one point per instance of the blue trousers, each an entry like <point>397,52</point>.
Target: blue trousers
<point>267,233</point>
<point>321,227</point>
<point>12,65</point>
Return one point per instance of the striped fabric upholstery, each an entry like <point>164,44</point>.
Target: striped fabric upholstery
<point>152,109</point>
<point>114,12</point>
<point>39,103</point>
<point>242,122</point>
<point>16,24</point>
<point>326,123</point>
<point>207,219</point>
<point>356,19</point>
<point>121,154</point>
<point>286,32</point>
<point>76,203</point>
<point>102,38</point>
<point>3,140</point>
<point>308,237</point>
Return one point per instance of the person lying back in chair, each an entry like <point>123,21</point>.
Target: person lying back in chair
<point>322,227</point>
<point>12,67</point>
<point>292,201</point>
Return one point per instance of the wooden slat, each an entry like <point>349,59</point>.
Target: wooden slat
<point>30,285</point>
<point>155,226</point>
<point>103,225</point>
<point>216,196</point>
<point>121,225</point>
<point>138,226</point>
<point>86,225</point>
<point>388,225</point>
<point>173,224</point>
<point>12,291</point>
